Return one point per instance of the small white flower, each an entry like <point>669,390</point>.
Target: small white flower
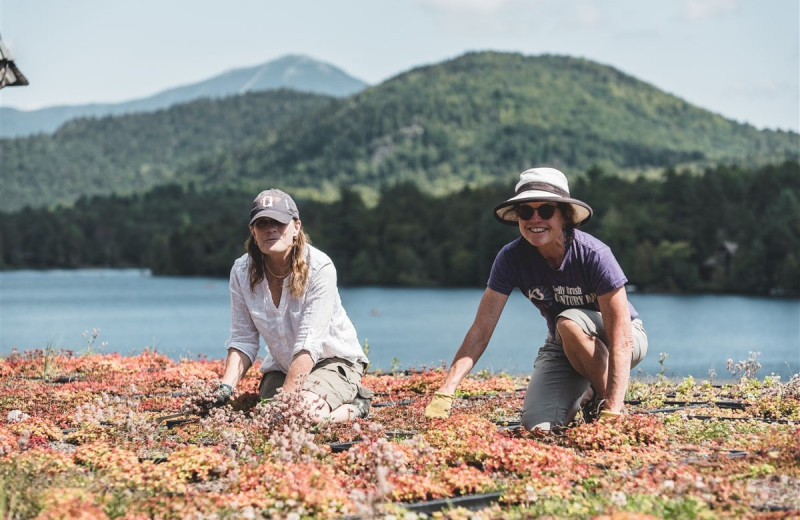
<point>16,416</point>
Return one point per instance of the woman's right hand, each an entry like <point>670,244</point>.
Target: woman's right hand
<point>471,349</point>
<point>222,395</point>
<point>439,407</point>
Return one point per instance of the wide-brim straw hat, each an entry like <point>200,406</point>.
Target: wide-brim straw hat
<point>540,185</point>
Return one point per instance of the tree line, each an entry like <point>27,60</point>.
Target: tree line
<point>729,229</point>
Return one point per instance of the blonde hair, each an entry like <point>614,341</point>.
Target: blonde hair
<point>297,262</point>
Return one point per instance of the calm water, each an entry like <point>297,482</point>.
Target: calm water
<point>187,317</point>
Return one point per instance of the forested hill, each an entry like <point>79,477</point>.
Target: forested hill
<point>473,120</point>
<point>134,153</point>
<point>485,116</point>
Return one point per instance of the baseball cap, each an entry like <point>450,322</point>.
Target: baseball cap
<point>275,204</point>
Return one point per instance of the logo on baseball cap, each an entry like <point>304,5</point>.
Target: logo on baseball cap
<point>274,204</point>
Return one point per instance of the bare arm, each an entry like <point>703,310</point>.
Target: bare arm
<point>476,340</point>
<point>617,322</point>
<point>302,363</point>
<point>236,365</point>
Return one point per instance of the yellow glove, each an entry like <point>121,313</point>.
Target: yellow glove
<point>606,415</point>
<point>439,407</point>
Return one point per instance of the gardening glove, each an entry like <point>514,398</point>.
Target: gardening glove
<point>608,415</point>
<point>439,407</point>
<point>222,395</point>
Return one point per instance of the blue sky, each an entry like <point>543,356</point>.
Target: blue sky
<point>738,58</point>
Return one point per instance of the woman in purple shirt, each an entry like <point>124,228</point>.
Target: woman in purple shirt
<point>594,334</point>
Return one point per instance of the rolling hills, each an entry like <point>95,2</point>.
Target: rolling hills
<point>134,153</point>
<point>470,121</point>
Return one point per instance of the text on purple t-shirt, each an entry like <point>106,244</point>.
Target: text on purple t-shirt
<point>589,269</point>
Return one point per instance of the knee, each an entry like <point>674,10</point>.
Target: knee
<point>531,420</point>
<point>567,327</point>
<point>316,407</point>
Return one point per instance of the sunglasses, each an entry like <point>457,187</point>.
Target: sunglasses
<point>525,212</point>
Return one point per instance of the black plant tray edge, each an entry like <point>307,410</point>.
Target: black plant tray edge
<point>472,502</point>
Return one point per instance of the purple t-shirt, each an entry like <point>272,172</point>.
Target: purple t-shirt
<point>589,269</point>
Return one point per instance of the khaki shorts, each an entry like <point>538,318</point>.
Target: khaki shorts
<point>592,324</point>
<point>555,386</point>
<point>337,381</point>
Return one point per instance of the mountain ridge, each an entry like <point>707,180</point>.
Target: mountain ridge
<point>292,71</point>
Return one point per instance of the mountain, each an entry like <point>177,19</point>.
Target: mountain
<point>471,121</point>
<point>483,117</point>
<point>291,72</point>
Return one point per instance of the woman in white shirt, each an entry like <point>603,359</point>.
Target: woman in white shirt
<point>284,290</point>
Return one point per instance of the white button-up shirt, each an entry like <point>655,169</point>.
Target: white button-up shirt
<point>316,322</point>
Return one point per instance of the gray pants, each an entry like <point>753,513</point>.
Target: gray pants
<point>555,386</point>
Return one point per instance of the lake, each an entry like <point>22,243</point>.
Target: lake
<point>404,328</point>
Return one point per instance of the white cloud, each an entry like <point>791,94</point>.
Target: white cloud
<point>704,9</point>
